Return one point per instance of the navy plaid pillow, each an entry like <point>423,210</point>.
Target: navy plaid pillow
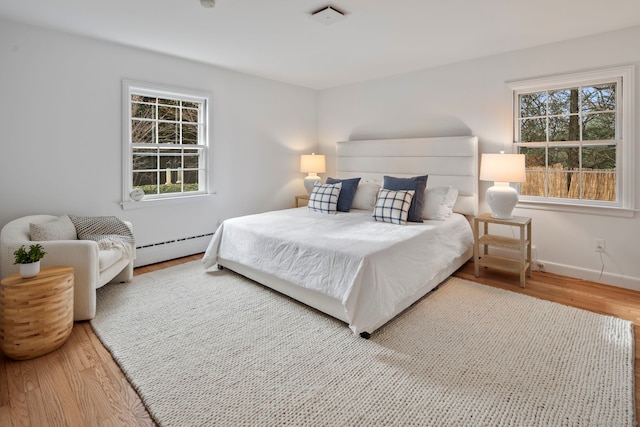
<point>393,206</point>
<point>324,198</point>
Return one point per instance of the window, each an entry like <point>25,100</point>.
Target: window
<point>165,142</point>
<point>576,134</point>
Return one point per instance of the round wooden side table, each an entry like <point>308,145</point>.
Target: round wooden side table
<point>36,313</point>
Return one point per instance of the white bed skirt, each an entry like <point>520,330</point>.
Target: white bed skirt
<point>334,307</point>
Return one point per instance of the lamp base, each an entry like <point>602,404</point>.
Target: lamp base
<point>502,198</point>
<point>309,181</point>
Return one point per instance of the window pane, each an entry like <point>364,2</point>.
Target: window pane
<point>191,160</point>
<point>558,182</point>
<point>168,133</point>
<point>171,162</point>
<point>190,134</point>
<point>141,98</point>
<point>599,98</point>
<point>142,132</point>
<point>564,128</point>
<point>144,111</point>
<point>168,113</point>
<point>536,177</point>
<point>533,104</point>
<point>533,130</point>
<point>152,150</point>
<point>599,157</point>
<point>190,115</point>
<point>574,185</point>
<point>191,180</point>
<point>144,162</point>
<point>599,126</point>
<point>564,157</point>
<point>563,101</point>
<point>170,149</point>
<point>187,104</point>
<point>166,101</point>
<point>145,180</point>
<point>535,184</point>
<point>170,188</point>
<point>534,157</point>
<point>559,128</point>
<point>168,179</point>
<point>599,186</point>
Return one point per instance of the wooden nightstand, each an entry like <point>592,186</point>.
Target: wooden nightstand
<point>302,200</point>
<point>521,246</point>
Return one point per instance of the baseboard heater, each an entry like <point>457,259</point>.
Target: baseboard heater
<point>171,249</point>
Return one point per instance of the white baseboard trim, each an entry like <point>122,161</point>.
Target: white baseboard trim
<point>606,278</point>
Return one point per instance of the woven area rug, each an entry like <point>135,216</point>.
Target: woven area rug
<point>212,348</point>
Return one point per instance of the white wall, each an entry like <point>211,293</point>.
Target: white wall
<point>471,98</point>
<point>60,149</point>
<point>61,140</point>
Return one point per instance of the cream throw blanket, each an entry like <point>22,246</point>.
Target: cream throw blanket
<point>108,231</point>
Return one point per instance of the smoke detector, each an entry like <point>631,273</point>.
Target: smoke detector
<point>328,15</point>
<point>208,3</point>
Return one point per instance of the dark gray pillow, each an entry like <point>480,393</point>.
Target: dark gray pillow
<point>416,183</point>
<point>348,192</point>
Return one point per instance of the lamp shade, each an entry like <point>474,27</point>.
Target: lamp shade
<point>312,163</point>
<point>502,168</point>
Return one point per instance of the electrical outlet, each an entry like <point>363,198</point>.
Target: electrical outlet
<point>600,245</point>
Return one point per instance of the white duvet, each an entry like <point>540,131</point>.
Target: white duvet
<point>369,266</point>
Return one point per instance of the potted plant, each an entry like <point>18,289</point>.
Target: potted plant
<point>29,260</point>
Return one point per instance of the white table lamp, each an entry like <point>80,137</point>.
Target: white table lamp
<point>312,164</point>
<point>502,169</point>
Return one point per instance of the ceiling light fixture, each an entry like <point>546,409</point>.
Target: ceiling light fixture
<point>328,15</point>
<point>208,3</point>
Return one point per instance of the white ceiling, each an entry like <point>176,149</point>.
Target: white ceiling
<point>277,39</point>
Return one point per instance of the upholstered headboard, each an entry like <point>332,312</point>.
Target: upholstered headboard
<point>447,161</point>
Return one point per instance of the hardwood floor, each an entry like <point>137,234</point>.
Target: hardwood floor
<point>80,384</point>
<point>77,385</point>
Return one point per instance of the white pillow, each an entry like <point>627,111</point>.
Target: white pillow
<point>393,206</point>
<point>438,202</point>
<point>324,198</point>
<point>365,197</point>
<point>60,228</point>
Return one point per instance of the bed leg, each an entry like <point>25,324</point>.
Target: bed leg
<point>365,335</point>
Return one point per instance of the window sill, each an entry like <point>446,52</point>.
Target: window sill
<point>582,209</point>
<point>165,201</point>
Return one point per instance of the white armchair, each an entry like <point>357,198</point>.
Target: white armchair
<point>93,267</point>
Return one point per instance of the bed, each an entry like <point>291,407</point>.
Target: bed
<point>347,265</point>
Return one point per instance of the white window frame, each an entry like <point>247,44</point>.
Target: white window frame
<point>625,139</point>
<point>130,87</point>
